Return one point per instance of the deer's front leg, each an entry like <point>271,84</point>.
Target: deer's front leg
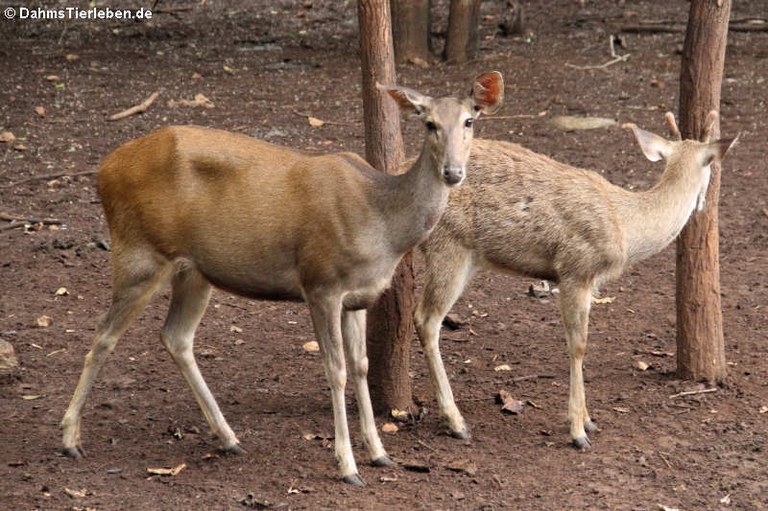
<point>575,302</point>
<point>353,330</point>
<point>326,317</point>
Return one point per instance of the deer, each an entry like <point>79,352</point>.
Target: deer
<point>200,208</point>
<point>523,213</point>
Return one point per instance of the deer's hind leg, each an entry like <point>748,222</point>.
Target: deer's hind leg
<point>191,293</point>
<point>138,274</point>
<point>448,269</point>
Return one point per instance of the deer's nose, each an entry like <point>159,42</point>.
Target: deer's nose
<point>453,174</point>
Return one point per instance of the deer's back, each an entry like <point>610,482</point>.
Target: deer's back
<point>255,218</point>
<point>526,213</point>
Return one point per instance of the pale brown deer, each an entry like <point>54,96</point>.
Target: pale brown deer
<point>523,213</point>
<point>199,207</point>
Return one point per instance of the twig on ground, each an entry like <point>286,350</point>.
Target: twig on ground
<point>616,58</point>
<point>534,377</point>
<point>693,392</point>
<point>51,176</point>
<point>141,107</point>
<point>20,221</point>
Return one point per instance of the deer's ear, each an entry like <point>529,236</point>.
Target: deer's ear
<point>716,151</point>
<point>653,146</point>
<point>408,99</point>
<point>488,92</point>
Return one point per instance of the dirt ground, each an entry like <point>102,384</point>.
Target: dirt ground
<point>266,66</point>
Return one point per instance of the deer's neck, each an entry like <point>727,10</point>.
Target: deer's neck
<point>654,218</point>
<point>412,203</point>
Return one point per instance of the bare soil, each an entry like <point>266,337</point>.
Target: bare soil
<point>266,66</point>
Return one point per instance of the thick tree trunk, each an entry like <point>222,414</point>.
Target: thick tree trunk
<point>390,328</point>
<point>700,344</point>
<point>461,40</point>
<point>410,30</point>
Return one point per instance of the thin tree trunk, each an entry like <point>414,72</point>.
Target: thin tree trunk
<point>410,30</point>
<point>461,40</point>
<point>390,328</point>
<point>700,343</point>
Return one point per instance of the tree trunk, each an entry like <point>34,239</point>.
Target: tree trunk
<point>410,30</point>
<point>700,344</point>
<point>390,328</point>
<point>461,40</point>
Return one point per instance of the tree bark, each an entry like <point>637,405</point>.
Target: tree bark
<point>461,40</point>
<point>390,327</point>
<point>700,343</point>
<point>410,30</point>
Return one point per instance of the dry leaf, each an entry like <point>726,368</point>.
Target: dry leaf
<point>401,415</point>
<point>62,291</point>
<point>53,78</point>
<point>202,101</point>
<point>31,397</point>
<point>502,367</point>
<point>44,321</point>
<point>167,471</point>
<point>315,122</point>
<point>643,366</point>
<point>606,299</point>
<point>76,494</point>
<point>509,403</point>
<point>763,409</point>
<point>7,137</point>
<point>621,409</point>
<point>465,466</point>
<point>389,427</point>
<point>236,329</point>
<point>228,69</point>
<point>311,346</point>
<point>71,57</point>
<point>39,110</point>
<point>197,76</point>
<point>20,147</point>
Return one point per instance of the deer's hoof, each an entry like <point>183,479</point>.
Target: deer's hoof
<point>383,461</point>
<point>582,443</point>
<point>354,480</point>
<point>76,452</point>
<point>590,427</point>
<point>461,434</point>
<point>232,449</point>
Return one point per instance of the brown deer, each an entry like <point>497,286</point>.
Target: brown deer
<point>520,212</point>
<point>199,207</point>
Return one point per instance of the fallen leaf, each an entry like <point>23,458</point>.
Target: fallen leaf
<point>389,427</point>
<point>236,329</point>
<point>311,346</point>
<point>606,299</point>
<point>7,137</point>
<point>167,471</point>
<point>201,100</point>
<point>401,415</point>
<point>509,403</point>
<point>502,367</point>
<point>228,69</point>
<point>643,366</point>
<point>39,110</point>
<point>53,78</point>
<point>388,479</point>
<point>621,409</point>
<point>463,465</point>
<point>197,76</point>
<point>667,508</point>
<point>763,409</point>
<point>76,494</point>
<point>20,147</point>
<point>315,122</point>
<point>71,57</point>
<point>44,321</point>
<point>726,500</point>
<point>31,397</point>
<point>62,291</point>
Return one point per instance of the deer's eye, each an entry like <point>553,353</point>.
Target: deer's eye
<point>431,126</point>
<point>469,123</point>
